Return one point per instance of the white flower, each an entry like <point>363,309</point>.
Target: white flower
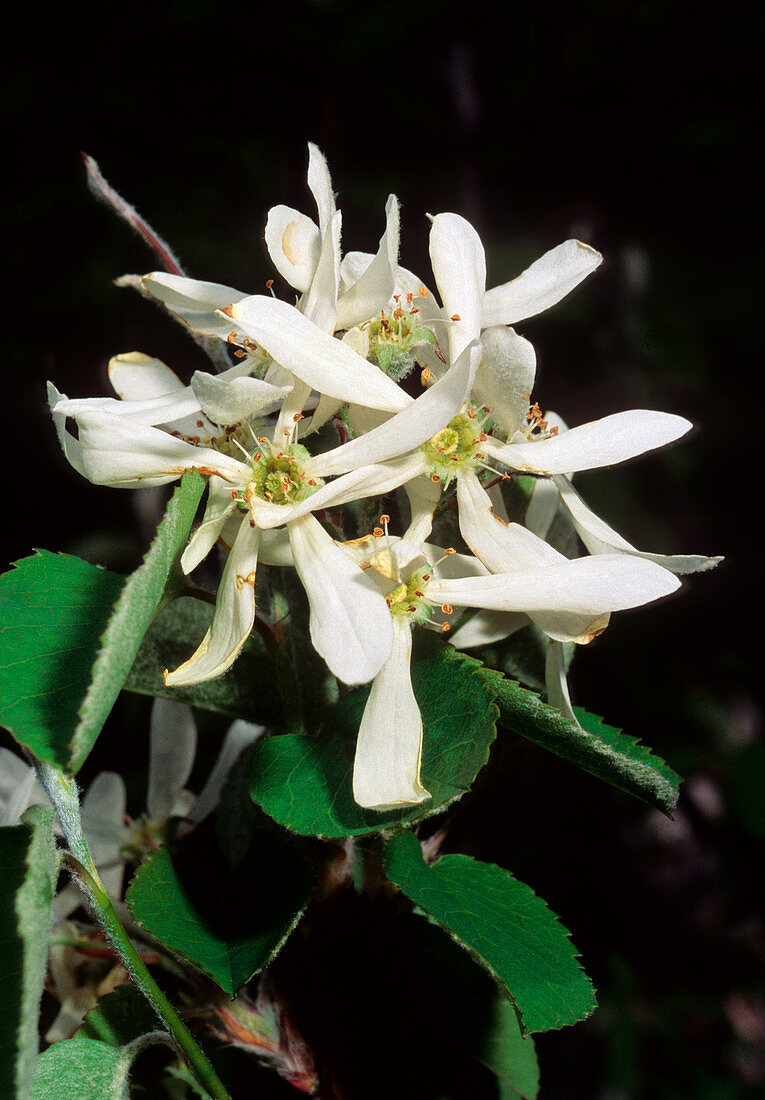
<point>112,837</point>
<point>308,257</point>
<point>570,600</point>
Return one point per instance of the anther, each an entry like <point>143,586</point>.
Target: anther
<point>455,317</point>
<point>425,375</point>
<point>447,608</point>
<point>445,628</point>
<point>422,291</point>
<point>297,417</point>
<point>435,478</point>
<point>384,518</point>
<point>239,354</point>
<point>269,283</point>
<point>378,532</point>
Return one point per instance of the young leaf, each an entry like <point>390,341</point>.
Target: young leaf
<point>28,873</point>
<point>599,749</point>
<point>70,633</point>
<point>82,1068</point>
<point>227,922</point>
<point>504,925</point>
<point>305,782</point>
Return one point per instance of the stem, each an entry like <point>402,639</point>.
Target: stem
<point>63,794</point>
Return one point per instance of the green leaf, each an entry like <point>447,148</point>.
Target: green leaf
<point>28,874</point>
<point>70,633</point>
<point>136,607</point>
<point>227,922</point>
<point>466,1012</point>
<point>246,691</point>
<point>119,1018</point>
<point>599,749</point>
<point>508,1054</point>
<point>304,783</point>
<point>504,925</point>
<point>53,610</point>
<point>81,1069</point>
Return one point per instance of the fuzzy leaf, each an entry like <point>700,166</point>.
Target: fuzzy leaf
<point>304,783</point>
<point>28,873</point>
<point>133,613</point>
<point>70,633</point>
<point>599,749</point>
<point>81,1069</point>
<point>227,922</point>
<point>504,925</point>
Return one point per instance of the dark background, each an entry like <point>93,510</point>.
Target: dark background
<point>630,125</point>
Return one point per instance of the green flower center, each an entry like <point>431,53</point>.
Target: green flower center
<point>408,598</point>
<point>394,339</point>
<point>453,448</point>
<point>280,476</point>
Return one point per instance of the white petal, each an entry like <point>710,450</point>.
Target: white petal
<point>419,422</point>
<point>542,506</point>
<point>540,286</point>
<point>138,377</point>
<point>326,407</point>
<point>372,291</point>
<point>599,538</point>
<point>320,305</point>
<point>386,770</point>
<point>326,364</point>
<point>505,377</point>
<point>486,627</point>
<point>193,302</point>
<point>424,495</point>
<point>103,814</point>
<point>556,682</point>
<point>459,266</point>
<point>589,586</point>
<point>604,442</point>
<point>173,746</point>
<point>294,245</point>
<point>320,184</point>
<point>502,547</point>
<point>228,401</point>
<point>217,510</point>
<point>350,623</point>
<point>117,451</point>
<point>71,447</point>
<point>169,408</point>
<point>239,737</point>
<point>234,614</point>
<point>275,547</point>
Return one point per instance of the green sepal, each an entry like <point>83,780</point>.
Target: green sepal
<point>504,925</point>
<point>28,873</point>
<point>305,783</point>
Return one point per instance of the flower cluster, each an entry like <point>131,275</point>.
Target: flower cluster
<point>368,387</point>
